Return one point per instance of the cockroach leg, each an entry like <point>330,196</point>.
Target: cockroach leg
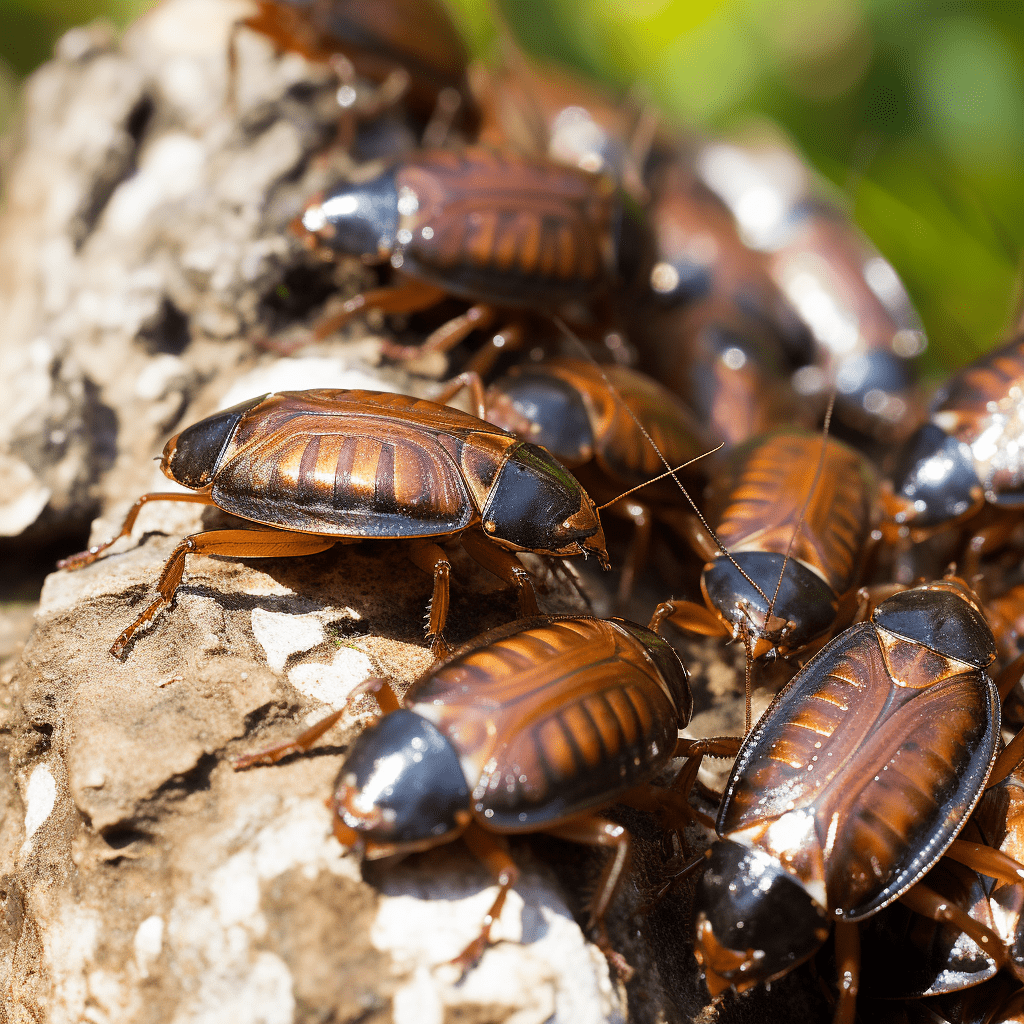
<point>430,557</point>
<point>508,339</point>
<point>636,557</point>
<point>301,743</point>
<point>506,566</point>
<point>233,543</point>
<point>986,860</point>
<point>470,380</point>
<point>84,558</point>
<point>927,902</point>
<point>447,336</point>
<point>1009,676</point>
<point>409,297</point>
<point>1010,756</point>
<point>594,831</point>
<point>492,850</point>
<point>687,615</point>
<point>387,700</point>
<point>848,968</point>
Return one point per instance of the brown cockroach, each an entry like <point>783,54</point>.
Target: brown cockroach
<point>791,516</point>
<point>936,958</point>
<point>410,47</point>
<point>865,330</point>
<point>851,786</point>
<point>324,467</point>
<point>965,466</point>
<point>710,322</point>
<point>542,110</point>
<point>536,726</point>
<point>488,226</point>
<point>614,427</point>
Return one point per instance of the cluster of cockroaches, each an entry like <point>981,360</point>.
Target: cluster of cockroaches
<point>876,787</point>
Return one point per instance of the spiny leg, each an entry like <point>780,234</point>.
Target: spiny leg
<point>688,616</point>
<point>505,566</point>
<point>493,851</point>
<point>636,557</point>
<point>986,860</point>
<point>235,543</point>
<point>84,558</point>
<point>431,558</point>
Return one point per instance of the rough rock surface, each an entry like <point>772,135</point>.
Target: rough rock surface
<point>142,879</point>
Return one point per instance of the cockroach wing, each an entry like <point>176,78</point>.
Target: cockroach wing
<point>522,233</point>
<point>864,768</point>
<point>556,718</point>
<point>309,463</point>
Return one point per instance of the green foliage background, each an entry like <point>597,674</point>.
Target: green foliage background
<point>913,108</point>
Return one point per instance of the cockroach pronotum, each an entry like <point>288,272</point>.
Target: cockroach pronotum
<point>967,457</point>
<point>487,226</point>
<point>324,467</point>
<point>534,726</point>
<point>793,509</point>
<point>410,47</point>
<point>850,787</point>
<point>614,427</point>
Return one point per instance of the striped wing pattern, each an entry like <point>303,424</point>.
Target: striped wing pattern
<point>984,381</point>
<point>889,773</point>
<point>556,719</point>
<point>519,232</point>
<point>773,486</point>
<point>350,464</point>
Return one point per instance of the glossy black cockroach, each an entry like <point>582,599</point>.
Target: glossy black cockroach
<point>851,786</point>
<point>866,333</point>
<point>488,226</point>
<point>410,47</point>
<point>966,460</point>
<point>324,467</point>
<point>532,727</point>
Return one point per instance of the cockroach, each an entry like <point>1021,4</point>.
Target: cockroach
<point>709,321</point>
<point>488,226</point>
<point>850,787</point>
<point>865,330</point>
<point>614,427</point>
<point>935,957</point>
<point>536,726</point>
<point>410,47</point>
<point>325,466</point>
<point>967,458</point>
<point>792,514</point>
<point>542,110</point>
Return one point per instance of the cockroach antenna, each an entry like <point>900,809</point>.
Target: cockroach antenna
<point>573,337</point>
